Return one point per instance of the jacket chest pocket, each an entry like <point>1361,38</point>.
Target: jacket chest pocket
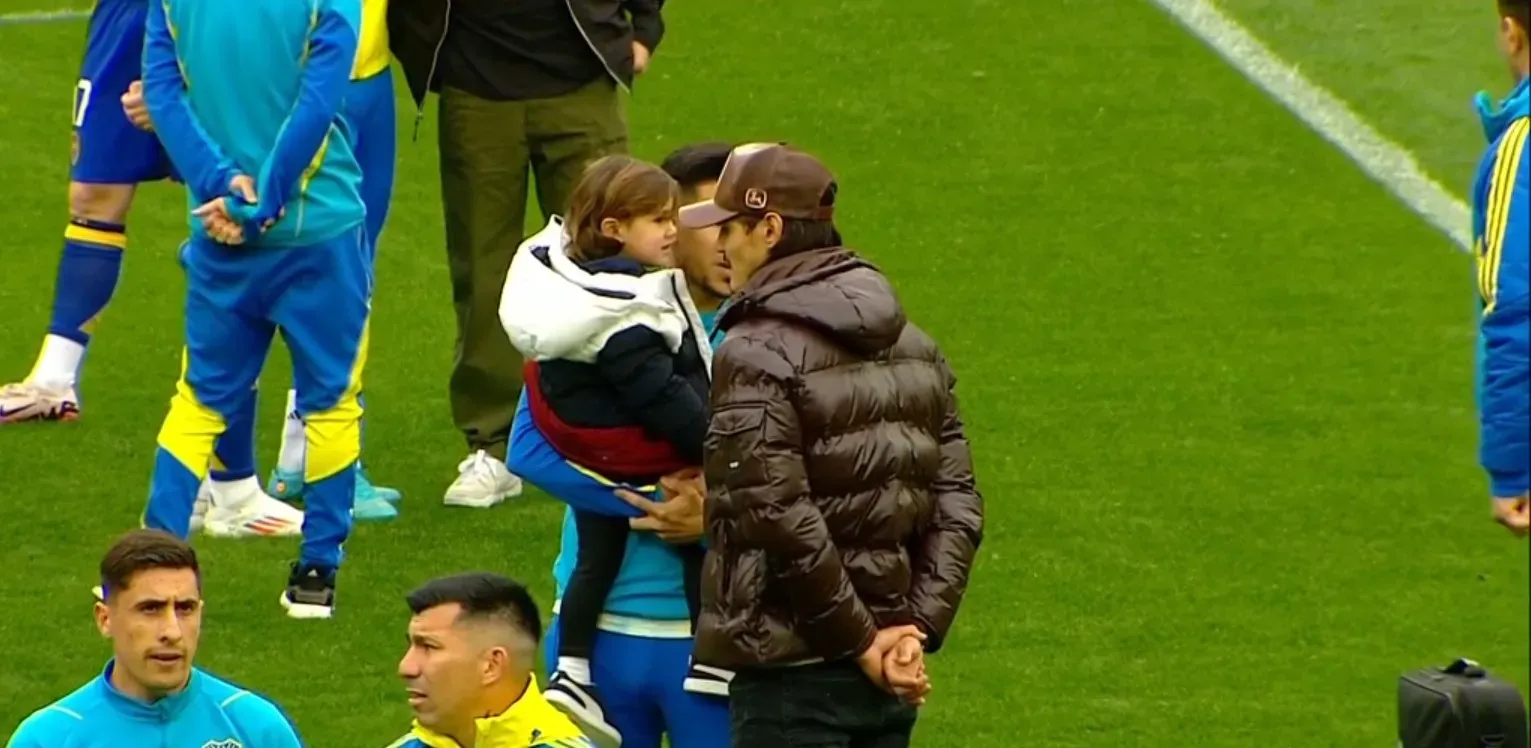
<point>735,439</point>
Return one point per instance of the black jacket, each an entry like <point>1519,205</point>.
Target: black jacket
<point>637,412</point>
<point>418,28</point>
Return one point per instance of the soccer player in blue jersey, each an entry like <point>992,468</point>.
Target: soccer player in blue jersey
<point>1502,246</point>
<point>268,165</point>
<point>111,157</point>
<point>642,653</point>
<point>150,693</point>
<point>115,150</point>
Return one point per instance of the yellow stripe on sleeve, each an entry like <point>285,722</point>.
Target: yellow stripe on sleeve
<point>603,480</point>
<point>1501,191</point>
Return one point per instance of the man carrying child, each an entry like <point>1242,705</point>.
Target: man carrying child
<point>616,381</point>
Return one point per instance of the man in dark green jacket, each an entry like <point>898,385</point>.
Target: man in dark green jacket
<point>530,86</point>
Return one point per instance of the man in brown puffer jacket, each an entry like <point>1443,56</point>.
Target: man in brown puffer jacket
<point>841,511</point>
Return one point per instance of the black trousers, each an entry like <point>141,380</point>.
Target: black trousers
<point>602,547</point>
<point>831,705</point>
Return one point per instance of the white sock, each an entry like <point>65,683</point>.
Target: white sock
<point>234,493</point>
<point>577,668</point>
<point>59,362</point>
<point>293,453</point>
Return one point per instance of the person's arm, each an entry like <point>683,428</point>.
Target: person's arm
<point>638,366</point>
<point>943,558</point>
<point>755,456</point>
<point>531,457</point>
<point>202,165</point>
<point>648,21</point>
<point>326,79</point>
<point>1505,328</point>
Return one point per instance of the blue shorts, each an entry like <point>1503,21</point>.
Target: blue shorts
<point>641,682</point>
<point>107,148</point>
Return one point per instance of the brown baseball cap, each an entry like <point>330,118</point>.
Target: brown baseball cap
<point>761,178</point>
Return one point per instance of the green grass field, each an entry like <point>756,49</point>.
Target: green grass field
<point>1218,382</point>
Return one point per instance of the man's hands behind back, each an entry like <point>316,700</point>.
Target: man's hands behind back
<point>227,221</point>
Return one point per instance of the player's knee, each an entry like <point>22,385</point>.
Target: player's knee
<point>107,203</point>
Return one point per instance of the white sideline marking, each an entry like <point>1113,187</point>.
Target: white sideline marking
<point>41,16</point>
<point>1390,164</point>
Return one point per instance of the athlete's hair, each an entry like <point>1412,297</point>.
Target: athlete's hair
<point>1519,10</point>
<point>691,165</point>
<point>619,187</point>
<point>143,550</point>
<point>483,596</point>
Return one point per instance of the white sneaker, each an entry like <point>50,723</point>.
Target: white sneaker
<point>29,401</point>
<point>199,508</point>
<point>247,512</point>
<point>482,482</point>
<point>582,704</point>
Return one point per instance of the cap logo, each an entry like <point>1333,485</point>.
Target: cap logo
<point>755,198</point>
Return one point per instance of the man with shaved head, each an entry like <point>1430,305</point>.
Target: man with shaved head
<point>468,671</point>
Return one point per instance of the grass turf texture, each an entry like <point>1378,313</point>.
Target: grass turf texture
<point>1218,383</point>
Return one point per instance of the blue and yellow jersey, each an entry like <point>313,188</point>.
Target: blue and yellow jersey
<point>531,722</point>
<point>1502,247</point>
<point>254,88</point>
<point>208,711</point>
<point>372,56</point>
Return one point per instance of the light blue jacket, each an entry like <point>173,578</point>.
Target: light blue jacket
<point>649,585</point>
<point>208,712</point>
<point>253,88</point>
<point>1501,244</point>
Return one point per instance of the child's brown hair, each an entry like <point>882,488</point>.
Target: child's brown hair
<point>619,187</point>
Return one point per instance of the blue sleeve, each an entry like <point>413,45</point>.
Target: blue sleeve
<point>638,366</point>
<point>1505,328</point>
<point>45,728</point>
<point>203,167</point>
<point>263,723</point>
<point>533,459</point>
<point>326,78</point>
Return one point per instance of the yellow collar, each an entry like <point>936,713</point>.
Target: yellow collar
<point>527,722</point>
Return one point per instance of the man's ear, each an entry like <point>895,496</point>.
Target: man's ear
<point>611,228</point>
<point>773,229</point>
<point>103,619</point>
<point>496,664</point>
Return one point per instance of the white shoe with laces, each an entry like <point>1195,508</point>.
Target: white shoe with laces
<point>242,510</point>
<point>482,482</point>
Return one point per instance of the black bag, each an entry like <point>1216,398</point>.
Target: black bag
<point>1459,706</point>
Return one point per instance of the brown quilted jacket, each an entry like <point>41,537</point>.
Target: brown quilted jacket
<point>840,492</point>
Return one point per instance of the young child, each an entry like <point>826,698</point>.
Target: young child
<point>617,379</point>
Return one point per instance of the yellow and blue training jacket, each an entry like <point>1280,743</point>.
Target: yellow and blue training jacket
<point>1502,243</point>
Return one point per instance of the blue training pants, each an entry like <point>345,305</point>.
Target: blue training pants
<point>641,681</point>
<point>371,118</point>
<point>319,296</point>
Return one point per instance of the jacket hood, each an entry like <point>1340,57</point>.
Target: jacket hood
<point>832,290</point>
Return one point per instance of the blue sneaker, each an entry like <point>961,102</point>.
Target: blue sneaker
<point>370,503</point>
<point>285,486</point>
<point>364,486</point>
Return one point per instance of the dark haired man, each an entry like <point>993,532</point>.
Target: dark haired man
<point>1501,244</point>
<point>468,670</point>
<point>641,655</point>
<point>150,693</point>
<point>824,575</point>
